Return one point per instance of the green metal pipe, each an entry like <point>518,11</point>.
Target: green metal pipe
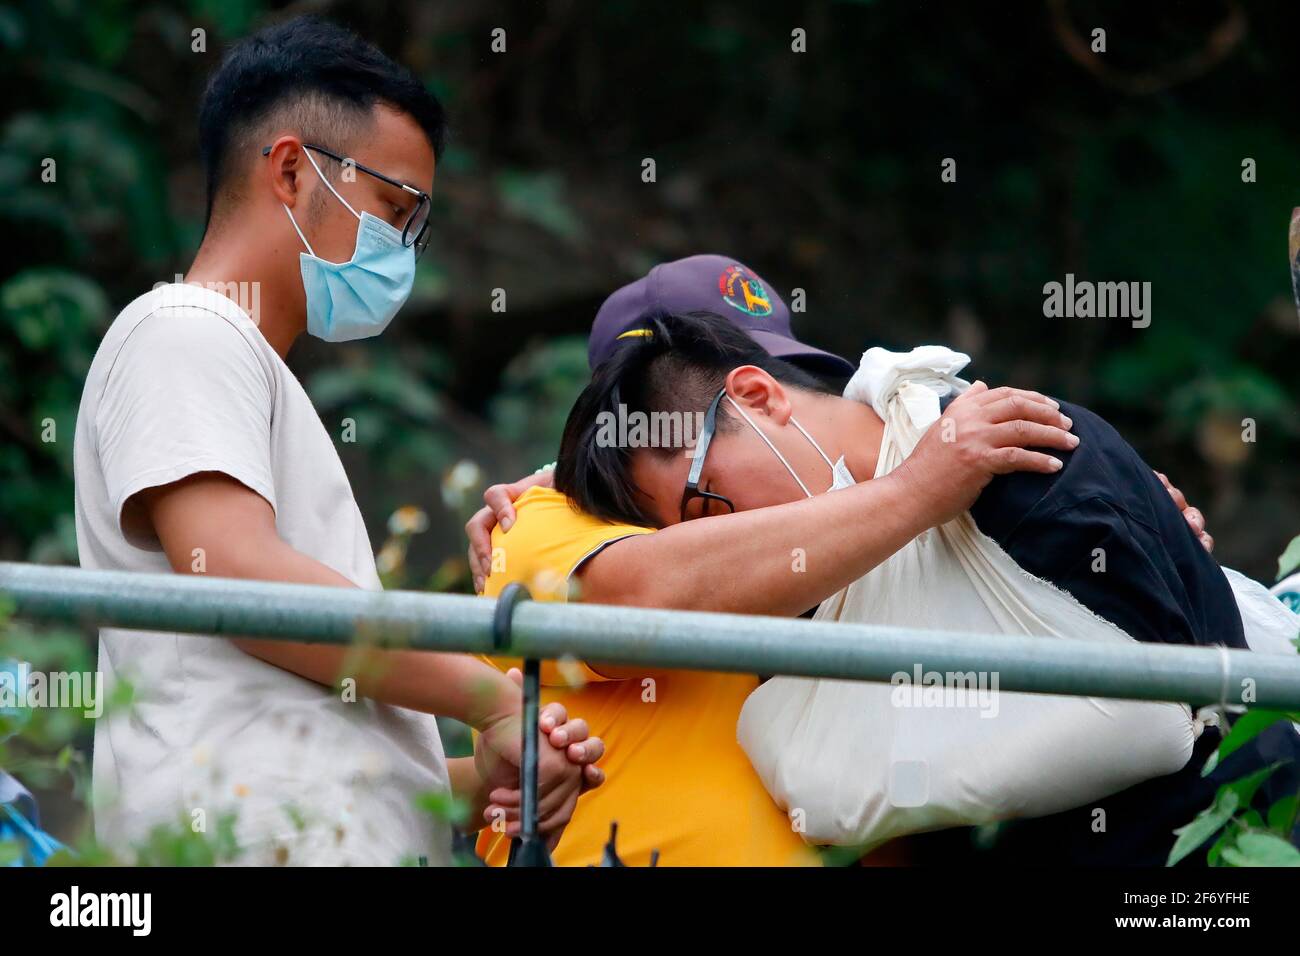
<point>632,636</point>
<point>228,607</point>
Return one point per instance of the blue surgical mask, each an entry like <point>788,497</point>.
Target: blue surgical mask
<point>358,298</point>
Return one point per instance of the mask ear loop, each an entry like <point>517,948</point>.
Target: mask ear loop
<point>327,183</point>
<point>769,444</point>
<point>803,431</point>
<point>307,153</point>
<point>289,213</point>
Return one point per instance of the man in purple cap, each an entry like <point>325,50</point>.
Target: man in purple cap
<point>528,533</point>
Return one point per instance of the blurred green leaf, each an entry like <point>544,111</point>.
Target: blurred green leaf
<point>1208,822</point>
<point>1244,729</point>
<point>1261,849</point>
<point>1282,815</point>
<point>539,198</point>
<point>1290,559</point>
<point>538,389</point>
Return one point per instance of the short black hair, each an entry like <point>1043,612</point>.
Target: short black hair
<point>314,74</point>
<point>677,365</point>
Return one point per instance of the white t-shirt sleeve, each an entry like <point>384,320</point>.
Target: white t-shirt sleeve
<point>187,394</point>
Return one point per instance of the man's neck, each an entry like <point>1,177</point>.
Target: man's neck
<point>252,273</point>
<point>856,432</point>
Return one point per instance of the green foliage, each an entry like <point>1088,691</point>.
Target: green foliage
<point>1247,838</point>
<point>50,320</point>
<point>397,404</point>
<point>537,390</point>
<point>1207,823</point>
<point>539,198</point>
<point>444,807</point>
<point>1230,809</point>
<point>1290,559</point>
<point>46,746</point>
<point>1244,729</point>
<point>1253,848</point>
<point>181,845</point>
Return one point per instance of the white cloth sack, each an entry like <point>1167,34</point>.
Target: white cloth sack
<point>1270,626</point>
<point>861,763</point>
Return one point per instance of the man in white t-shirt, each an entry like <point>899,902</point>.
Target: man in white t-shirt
<point>198,451</point>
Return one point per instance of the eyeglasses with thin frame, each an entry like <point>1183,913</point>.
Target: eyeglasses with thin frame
<point>416,231</point>
<point>692,489</point>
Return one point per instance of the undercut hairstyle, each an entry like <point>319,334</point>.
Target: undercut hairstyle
<point>310,76</point>
<point>678,364</point>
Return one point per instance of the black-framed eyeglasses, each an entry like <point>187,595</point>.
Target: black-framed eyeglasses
<point>416,231</point>
<point>692,489</point>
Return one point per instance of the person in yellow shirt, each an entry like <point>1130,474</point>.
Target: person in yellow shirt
<point>676,781</point>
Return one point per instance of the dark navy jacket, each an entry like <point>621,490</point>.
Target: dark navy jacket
<point>1159,585</point>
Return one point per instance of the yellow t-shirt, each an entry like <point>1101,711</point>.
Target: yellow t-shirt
<point>676,780</point>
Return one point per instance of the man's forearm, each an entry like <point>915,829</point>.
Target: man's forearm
<point>453,685</point>
<point>450,685</point>
<point>780,560</point>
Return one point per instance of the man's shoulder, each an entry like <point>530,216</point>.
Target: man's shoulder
<point>1102,468</point>
<point>1086,421</point>
<point>177,313</point>
<point>183,324</point>
<point>181,311</point>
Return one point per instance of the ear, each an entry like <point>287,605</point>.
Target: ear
<point>284,166</point>
<point>758,393</point>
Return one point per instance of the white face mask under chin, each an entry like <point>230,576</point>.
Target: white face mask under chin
<point>841,477</point>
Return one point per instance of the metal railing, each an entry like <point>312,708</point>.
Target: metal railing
<point>632,636</point>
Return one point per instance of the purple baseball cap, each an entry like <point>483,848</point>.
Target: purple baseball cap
<point>706,283</point>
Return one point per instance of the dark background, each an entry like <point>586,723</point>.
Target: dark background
<point>821,170</point>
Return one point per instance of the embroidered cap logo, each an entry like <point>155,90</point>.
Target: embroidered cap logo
<point>741,290</point>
